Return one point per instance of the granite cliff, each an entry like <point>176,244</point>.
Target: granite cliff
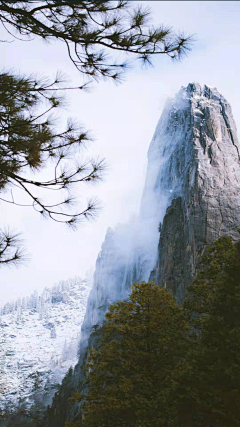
<point>206,164</point>
<point>191,197</point>
<point>192,190</point>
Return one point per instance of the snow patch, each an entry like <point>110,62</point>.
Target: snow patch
<point>39,339</point>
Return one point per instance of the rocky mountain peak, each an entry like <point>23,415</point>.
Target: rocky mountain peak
<point>190,198</point>
<point>203,169</point>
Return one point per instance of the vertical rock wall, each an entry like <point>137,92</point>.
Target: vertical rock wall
<point>206,163</point>
<point>192,188</point>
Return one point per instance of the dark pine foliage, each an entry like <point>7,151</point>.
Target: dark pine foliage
<point>28,140</point>
<point>93,30</point>
<point>209,389</point>
<point>160,365</point>
<point>99,37</point>
<point>128,380</point>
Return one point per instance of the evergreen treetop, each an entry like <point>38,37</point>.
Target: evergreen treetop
<point>128,378</point>
<point>210,383</point>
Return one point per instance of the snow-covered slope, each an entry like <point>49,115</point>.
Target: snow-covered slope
<point>191,197</point>
<point>38,343</point>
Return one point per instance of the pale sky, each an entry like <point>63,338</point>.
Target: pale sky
<point>122,119</point>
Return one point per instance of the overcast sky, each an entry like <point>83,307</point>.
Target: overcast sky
<point>122,119</point>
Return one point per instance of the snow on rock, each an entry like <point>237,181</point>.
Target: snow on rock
<point>193,157</point>
<point>203,167</point>
<point>191,197</point>
<point>39,339</point>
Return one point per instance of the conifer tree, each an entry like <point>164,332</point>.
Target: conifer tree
<point>210,386</point>
<point>128,379</point>
<point>99,37</point>
<point>92,31</point>
<point>53,333</point>
<point>31,142</point>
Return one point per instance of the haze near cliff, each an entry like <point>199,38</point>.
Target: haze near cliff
<point>123,120</point>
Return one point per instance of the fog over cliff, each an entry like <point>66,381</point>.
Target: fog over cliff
<point>192,188</point>
<point>190,198</point>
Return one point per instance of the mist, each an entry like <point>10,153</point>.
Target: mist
<point>122,120</point>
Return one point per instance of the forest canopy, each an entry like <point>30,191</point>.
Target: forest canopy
<point>162,365</point>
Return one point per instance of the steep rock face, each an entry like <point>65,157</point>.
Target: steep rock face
<point>110,277</point>
<point>193,174</point>
<point>193,190</point>
<point>206,164</point>
<point>121,262</point>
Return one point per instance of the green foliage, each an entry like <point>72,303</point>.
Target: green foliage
<point>30,142</point>
<point>210,391</point>
<point>128,379</point>
<point>220,275</point>
<point>92,30</point>
<point>162,365</point>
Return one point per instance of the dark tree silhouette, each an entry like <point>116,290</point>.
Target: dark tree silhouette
<point>209,389</point>
<point>92,30</point>
<point>127,379</point>
<point>99,37</point>
<point>29,141</point>
<point>10,249</point>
